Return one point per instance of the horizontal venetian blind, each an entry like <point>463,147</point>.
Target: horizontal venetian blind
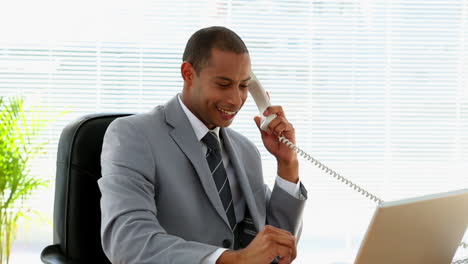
<point>377,90</point>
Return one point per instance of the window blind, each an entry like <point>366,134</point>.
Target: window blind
<point>377,90</point>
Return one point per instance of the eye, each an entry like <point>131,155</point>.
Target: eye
<point>224,84</point>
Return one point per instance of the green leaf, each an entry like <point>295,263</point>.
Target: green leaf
<point>18,145</point>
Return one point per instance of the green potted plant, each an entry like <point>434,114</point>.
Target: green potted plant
<point>18,132</point>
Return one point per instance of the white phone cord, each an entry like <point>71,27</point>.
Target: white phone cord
<point>461,261</point>
<point>333,173</point>
<point>350,184</point>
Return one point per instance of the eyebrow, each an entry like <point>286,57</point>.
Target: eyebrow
<point>228,79</point>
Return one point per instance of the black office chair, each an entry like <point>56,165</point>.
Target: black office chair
<point>77,214</point>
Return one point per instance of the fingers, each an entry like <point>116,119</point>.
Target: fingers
<point>284,254</point>
<point>268,244</point>
<point>272,229</point>
<point>257,120</point>
<point>280,124</point>
<point>285,260</point>
<point>294,251</point>
<point>284,242</point>
<point>274,109</point>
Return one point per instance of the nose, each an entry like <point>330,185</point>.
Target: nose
<point>236,97</point>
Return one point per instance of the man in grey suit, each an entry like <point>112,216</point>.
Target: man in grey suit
<point>179,186</point>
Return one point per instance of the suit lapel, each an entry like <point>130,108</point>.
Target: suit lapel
<point>234,157</point>
<point>185,138</point>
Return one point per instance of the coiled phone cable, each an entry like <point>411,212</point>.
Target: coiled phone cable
<point>327,170</point>
<point>461,261</point>
<point>344,180</point>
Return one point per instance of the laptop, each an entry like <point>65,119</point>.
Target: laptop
<point>423,230</point>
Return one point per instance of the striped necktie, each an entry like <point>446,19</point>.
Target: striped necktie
<point>215,162</point>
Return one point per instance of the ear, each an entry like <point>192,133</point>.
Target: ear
<point>187,71</point>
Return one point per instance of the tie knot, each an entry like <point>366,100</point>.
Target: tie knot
<point>211,140</point>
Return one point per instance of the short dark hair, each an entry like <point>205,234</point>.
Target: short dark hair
<point>198,48</point>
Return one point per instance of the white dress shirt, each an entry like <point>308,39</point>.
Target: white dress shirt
<point>239,202</point>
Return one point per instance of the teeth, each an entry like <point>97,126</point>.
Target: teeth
<point>226,111</point>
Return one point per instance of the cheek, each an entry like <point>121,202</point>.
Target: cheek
<point>211,100</point>
<point>215,96</point>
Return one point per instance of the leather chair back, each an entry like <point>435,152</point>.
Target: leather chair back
<point>77,214</point>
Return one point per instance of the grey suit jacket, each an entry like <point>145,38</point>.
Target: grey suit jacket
<point>159,203</point>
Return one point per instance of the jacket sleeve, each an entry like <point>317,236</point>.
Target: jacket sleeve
<point>130,231</point>
<point>284,210</point>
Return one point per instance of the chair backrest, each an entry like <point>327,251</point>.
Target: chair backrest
<point>77,214</point>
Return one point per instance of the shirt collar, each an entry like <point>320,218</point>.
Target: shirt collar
<point>198,127</point>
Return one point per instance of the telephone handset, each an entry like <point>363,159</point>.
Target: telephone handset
<point>263,101</point>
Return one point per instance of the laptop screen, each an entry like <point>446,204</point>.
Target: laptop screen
<point>425,230</point>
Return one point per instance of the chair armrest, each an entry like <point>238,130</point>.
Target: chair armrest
<point>53,255</point>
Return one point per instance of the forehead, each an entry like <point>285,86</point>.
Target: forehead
<point>228,64</point>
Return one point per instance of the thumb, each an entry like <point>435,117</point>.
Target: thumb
<point>257,120</point>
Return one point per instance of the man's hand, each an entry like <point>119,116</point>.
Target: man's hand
<point>271,242</point>
<point>288,166</point>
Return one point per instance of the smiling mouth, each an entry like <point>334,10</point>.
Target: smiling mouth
<point>227,112</point>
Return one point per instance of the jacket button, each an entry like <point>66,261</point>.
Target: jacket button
<point>226,243</point>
